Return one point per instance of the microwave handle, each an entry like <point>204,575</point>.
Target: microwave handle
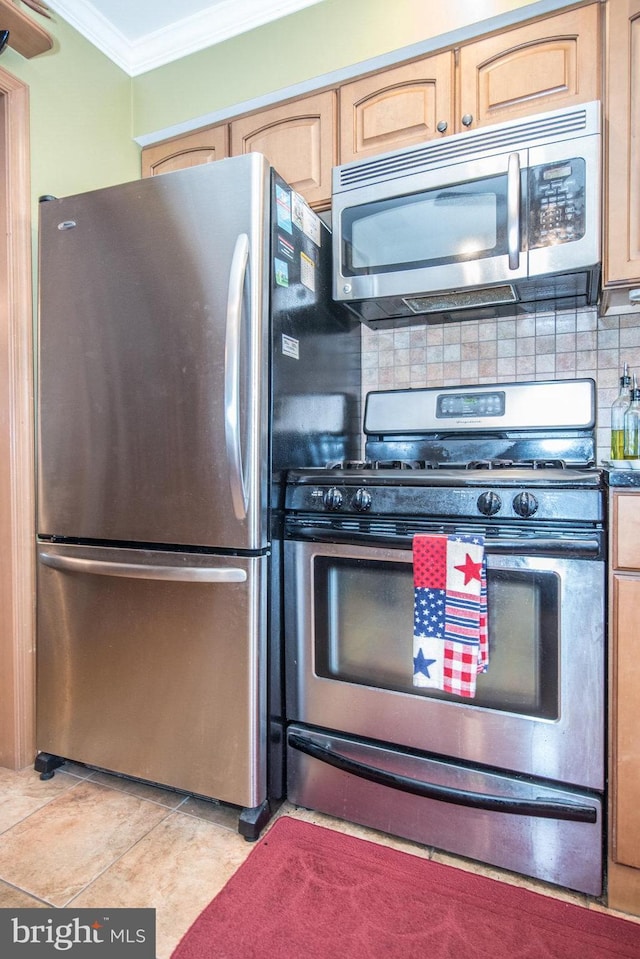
<point>513,211</point>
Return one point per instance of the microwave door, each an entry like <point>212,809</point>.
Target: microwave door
<point>457,227</point>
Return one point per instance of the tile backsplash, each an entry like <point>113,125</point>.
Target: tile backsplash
<point>569,344</point>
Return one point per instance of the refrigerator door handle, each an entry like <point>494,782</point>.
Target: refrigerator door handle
<point>188,574</point>
<point>237,273</point>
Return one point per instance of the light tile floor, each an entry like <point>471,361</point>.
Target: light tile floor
<point>88,839</point>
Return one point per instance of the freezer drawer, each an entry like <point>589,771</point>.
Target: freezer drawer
<point>153,664</point>
<point>479,819</point>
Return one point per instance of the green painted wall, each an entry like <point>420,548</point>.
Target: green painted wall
<point>80,106</point>
<point>323,38</point>
<point>85,111</point>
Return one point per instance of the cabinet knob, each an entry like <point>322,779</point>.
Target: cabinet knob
<point>467,120</point>
<point>442,126</point>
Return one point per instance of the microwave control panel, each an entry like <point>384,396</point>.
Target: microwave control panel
<point>556,197</point>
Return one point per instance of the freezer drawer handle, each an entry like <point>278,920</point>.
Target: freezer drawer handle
<point>461,797</point>
<point>189,574</point>
<point>237,274</point>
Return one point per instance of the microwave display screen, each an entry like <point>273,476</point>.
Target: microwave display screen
<point>451,224</point>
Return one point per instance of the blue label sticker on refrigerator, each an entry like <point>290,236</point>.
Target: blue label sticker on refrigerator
<point>307,272</point>
<point>283,209</point>
<point>285,248</point>
<point>290,346</point>
<point>281,271</point>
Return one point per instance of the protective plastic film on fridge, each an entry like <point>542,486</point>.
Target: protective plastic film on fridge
<point>188,354</point>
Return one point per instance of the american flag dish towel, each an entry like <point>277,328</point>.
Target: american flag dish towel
<point>450,639</point>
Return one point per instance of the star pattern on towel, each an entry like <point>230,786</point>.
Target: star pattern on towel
<point>421,664</point>
<point>429,610</point>
<point>470,570</point>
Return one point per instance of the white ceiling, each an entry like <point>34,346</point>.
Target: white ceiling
<point>140,35</point>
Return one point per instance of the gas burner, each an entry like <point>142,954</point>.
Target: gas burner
<point>548,464</point>
<point>378,465</point>
<point>499,464</point>
<point>489,464</point>
<point>349,465</point>
<point>398,465</point>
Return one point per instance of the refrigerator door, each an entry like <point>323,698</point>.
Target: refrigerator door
<point>153,360</point>
<point>152,664</point>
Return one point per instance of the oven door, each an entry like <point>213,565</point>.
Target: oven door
<point>538,710</point>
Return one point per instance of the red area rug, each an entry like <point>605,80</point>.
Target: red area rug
<point>306,892</point>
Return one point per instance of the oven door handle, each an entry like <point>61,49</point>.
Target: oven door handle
<point>541,808</point>
<point>526,546</point>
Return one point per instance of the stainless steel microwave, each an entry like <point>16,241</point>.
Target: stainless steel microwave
<point>499,221</point>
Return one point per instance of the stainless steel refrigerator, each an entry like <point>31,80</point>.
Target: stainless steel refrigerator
<point>188,354</point>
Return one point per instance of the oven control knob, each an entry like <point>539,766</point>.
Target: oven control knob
<point>489,503</point>
<point>525,504</point>
<point>362,500</point>
<point>333,498</point>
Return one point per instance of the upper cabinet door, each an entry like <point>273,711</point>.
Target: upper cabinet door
<point>622,236</point>
<point>397,107</point>
<point>545,65</point>
<point>203,146</point>
<point>298,139</point>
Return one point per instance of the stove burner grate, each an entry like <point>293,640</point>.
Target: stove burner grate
<point>479,464</point>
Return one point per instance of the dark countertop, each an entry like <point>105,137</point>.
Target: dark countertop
<point>626,478</point>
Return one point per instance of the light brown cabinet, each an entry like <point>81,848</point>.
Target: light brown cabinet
<point>624,697</point>
<point>203,146</point>
<point>396,108</point>
<point>622,184</point>
<point>298,139</point>
<point>545,64</point>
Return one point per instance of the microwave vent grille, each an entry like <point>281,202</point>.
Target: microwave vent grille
<point>461,300</point>
<point>511,136</point>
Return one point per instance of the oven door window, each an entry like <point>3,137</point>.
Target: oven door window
<point>364,629</point>
<point>466,221</point>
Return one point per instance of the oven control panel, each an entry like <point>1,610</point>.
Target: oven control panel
<point>540,504</point>
<point>470,404</point>
<point>528,407</point>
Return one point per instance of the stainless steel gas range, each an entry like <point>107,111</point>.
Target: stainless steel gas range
<point>514,775</point>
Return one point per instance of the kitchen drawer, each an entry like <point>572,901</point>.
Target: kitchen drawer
<point>626,530</point>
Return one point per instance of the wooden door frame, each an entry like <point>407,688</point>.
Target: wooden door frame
<point>17,486</point>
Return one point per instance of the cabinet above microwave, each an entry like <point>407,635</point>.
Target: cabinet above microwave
<point>495,222</point>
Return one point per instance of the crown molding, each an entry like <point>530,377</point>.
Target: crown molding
<point>226,19</point>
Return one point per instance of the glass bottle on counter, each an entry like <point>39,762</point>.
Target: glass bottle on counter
<point>632,424</point>
<point>618,410</point>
